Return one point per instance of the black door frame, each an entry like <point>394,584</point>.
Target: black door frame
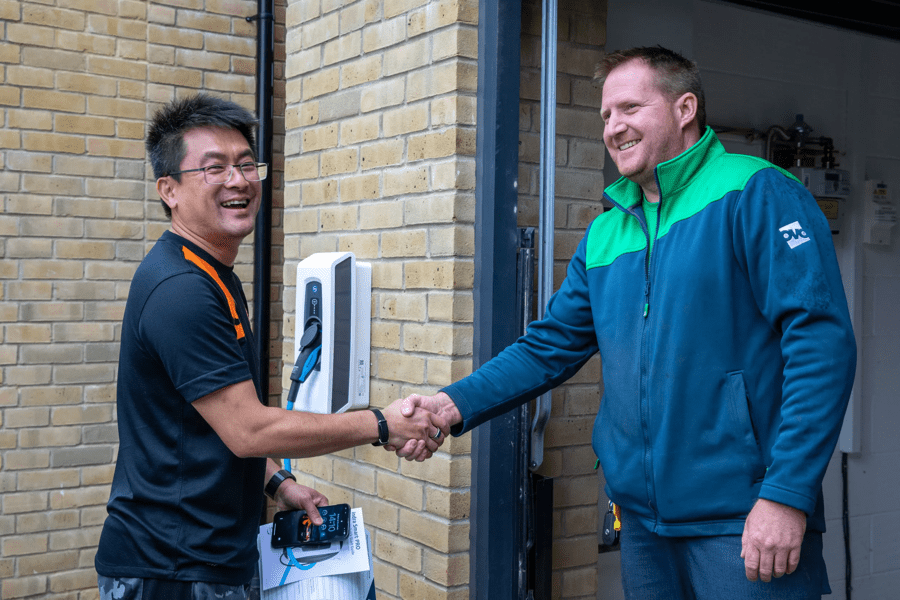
<point>496,509</point>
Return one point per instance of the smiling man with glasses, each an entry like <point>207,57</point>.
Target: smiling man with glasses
<point>208,202</point>
<point>194,435</point>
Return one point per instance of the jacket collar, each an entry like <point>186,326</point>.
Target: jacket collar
<point>671,175</point>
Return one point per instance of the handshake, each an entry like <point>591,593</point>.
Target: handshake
<point>418,424</point>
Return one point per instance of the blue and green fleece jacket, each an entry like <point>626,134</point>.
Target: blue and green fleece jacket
<point>728,354</point>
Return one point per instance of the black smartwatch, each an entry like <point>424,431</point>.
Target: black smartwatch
<point>275,482</point>
<point>383,433</point>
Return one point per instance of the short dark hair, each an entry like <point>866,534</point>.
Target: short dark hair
<point>676,75</point>
<point>165,136</point>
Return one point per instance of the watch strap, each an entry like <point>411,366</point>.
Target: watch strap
<point>383,433</point>
<point>276,480</point>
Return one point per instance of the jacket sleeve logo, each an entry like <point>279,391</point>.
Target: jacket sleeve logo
<point>794,234</point>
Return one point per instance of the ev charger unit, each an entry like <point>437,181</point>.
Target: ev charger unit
<point>332,333</point>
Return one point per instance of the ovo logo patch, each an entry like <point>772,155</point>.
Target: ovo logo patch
<point>794,234</point>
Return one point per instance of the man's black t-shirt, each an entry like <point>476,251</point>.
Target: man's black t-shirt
<point>182,505</point>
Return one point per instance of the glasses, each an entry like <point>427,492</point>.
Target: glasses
<point>221,174</point>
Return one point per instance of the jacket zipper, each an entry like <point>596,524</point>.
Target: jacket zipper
<point>645,362</point>
<point>644,402</point>
<point>650,255</point>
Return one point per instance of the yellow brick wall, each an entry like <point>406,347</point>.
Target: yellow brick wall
<point>78,81</point>
<point>379,160</point>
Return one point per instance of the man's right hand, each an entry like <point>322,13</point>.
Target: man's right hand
<point>420,432</point>
<point>440,404</point>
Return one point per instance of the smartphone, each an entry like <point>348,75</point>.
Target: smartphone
<point>294,527</point>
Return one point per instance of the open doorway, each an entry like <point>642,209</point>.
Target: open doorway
<point>760,69</point>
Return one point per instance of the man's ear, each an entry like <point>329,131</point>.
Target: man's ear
<point>686,106</point>
<point>166,191</point>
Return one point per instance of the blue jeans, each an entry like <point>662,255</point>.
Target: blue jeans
<point>136,588</point>
<point>710,568</point>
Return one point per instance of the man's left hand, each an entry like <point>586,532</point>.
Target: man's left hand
<point>291,495</point>
<point>770,545</point>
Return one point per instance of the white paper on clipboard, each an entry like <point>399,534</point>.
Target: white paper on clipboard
<point>280,569</point>
<point>349,586</point>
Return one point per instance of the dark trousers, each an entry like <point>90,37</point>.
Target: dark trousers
<point>136,588</point>
<point>710,568</point>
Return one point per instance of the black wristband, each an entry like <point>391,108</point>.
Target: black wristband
<point>383,433</point>
<point>275,482</point>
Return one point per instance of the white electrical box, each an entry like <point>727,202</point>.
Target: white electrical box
<point>828,183</point>
<point>334,292</point>
<point>830,187</point>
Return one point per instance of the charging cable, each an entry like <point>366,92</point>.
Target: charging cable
<point>308,359</point>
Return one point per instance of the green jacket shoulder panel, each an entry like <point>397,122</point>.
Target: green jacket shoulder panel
<point>689,183</point>
<point>611,235</point>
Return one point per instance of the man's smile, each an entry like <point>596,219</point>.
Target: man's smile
<point>628,145</point>
<point>240,203</point>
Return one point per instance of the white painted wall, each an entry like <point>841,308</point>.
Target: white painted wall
<point>761,70</point>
